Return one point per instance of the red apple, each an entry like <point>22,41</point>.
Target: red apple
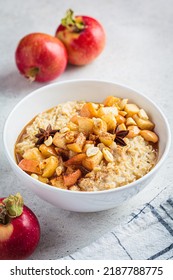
<point>41,57</point>
<point>83,36</point>
<point>19,229</point>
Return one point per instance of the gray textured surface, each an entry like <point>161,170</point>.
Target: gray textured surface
<point>138,54</point>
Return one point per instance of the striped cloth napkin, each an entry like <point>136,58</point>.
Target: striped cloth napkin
<point>146,235</point>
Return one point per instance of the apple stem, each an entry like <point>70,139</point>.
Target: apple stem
<point>32,73</point>
<point>71,23</point>
<point>11,207</point>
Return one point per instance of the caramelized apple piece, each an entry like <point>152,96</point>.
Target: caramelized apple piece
<point>91,162</point>
<point>72,126</point>
<point>110,120</point>
<point>133,131</point>
<point>111,101</point>
<point>130,121</point>
<point>74,147</point>
<point>50,166</point>
<point>142,114</point>
<point>106,138</point>
<point>33,153</point>
<point>59,140</point>
<point>30,165</point>
<point>88,110</point>
<point>58,182</point>
<point>47,151</point>
<point>107,110</point>
<point>77,159</point>
<point>99,126</point>
<point>121,126</point>
<point>85,125</point>
<point>120,119</point>
<point>131,109</point>
<point>71,179</point>
<point>122,103</point>
<point>74,119</point>
<point>77,146</point>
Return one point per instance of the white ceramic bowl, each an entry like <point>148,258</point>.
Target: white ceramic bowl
<point>89,90</point>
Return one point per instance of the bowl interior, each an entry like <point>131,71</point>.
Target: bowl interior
<point>51,95</point>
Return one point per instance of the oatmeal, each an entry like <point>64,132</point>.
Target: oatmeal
<point>86,146</point>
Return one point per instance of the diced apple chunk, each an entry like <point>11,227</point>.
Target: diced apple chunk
<point>133,131</point>
<point>77,146</point>
<point>130,121</point>
<point>59,140</point>
<point>80,139</point>
<point>111,101</point>
<point>91,162</point>
<point>120,119</point>
<point>70,136</point>
<point>110,120</point>
<point>121,126</point>
<point>30,165</point>
<point>99,126</point>
<point>131,109</point>
<point>106,138</point>
<point>75,160</point>
<point>123,103</point>
<point>142,114</point>
<point>72,126</point>
<point>74,119</point>
<point>71,179</point>
<point>33,153</point>
<point>74,147</point>
<point>143,124</point>
<point>58,182</point>
<point>107,110</point>
<point>88,110</point>
<point>51,164</point>
<point>47,151</point>
<point>122,113</point>
<point>85,125</point>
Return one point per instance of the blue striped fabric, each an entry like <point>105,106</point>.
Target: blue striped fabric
<point>147,235</point>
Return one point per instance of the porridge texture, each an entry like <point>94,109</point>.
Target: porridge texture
<point>86,146</point>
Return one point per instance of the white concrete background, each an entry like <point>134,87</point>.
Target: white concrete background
<point>138,54</point>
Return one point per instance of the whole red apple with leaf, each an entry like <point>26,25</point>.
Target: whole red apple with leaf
<point>19,229</point>
<point>83,36</point>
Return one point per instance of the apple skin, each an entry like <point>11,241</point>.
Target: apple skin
<point>84,46</point>
<point>41,57</point>
<point>20,237</point>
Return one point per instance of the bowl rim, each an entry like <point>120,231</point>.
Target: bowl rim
<point>119,189</point>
